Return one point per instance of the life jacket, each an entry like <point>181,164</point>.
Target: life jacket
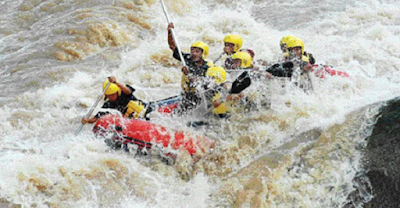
<point>220,110</point>
<point>305,58</point>
<point>135,109</point>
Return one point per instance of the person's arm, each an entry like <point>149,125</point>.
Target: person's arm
<point>310,57</point>
<point>281,69</point>
<point>123,87</point>
<point>216,100</point>
<point>171,41</point>
<point>305,64</point>
<point>98,115</point>
<point>186,56</point>
<point>89,120</point>
<point>173,47</point>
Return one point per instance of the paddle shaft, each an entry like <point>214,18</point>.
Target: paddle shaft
<point>173,33</point>
<point>164,101</point>
<point>309,79</point>
<point>219,57</point>
<point>92,109</point>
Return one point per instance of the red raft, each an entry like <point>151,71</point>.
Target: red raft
<point>322,71</point>
<point>147,135</point>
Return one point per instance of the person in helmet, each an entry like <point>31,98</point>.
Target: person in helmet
<point>289,39</point>
<point>249,51</point>
<point>195,70</point>
<point>294,58</point>
<point>232,44</point>
<point>242,60</point>
<point>296,54</point>
<point>295,64</point>
<point>215,91</point>
<point>243,63</point>
<point>121,98</point>
<point>284,41</point>
<point>195,60</point>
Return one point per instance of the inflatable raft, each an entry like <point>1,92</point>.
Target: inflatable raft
<point>146,135</point>
<point>166,106</point>
<point>322,70</point>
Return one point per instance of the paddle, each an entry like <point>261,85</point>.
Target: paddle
<point>309,79</point>
<point>165,101</point>
<point>219,57</point>
<point>307,73</point>
<point>240,83</point>
<point>92,109</point>
<point>173,33</point>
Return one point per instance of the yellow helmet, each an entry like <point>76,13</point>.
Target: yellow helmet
<point>203,46</point>
<point>245,58</point>
<point>112,89</point>
<point>297,42</point>
<point>218,73</point>
<point>285,40</point>
<point>234,39</point>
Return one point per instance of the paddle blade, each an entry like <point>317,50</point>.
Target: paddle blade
<point>240,83</point>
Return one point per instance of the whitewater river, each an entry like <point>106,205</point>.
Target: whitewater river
<point>306,150</point>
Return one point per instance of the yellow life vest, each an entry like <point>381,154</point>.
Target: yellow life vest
<point>222,108</point>
<point>305,58</point>
<point>185,82</point>
<point>135,109</point>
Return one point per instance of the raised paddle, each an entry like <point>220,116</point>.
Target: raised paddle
<point>173,33</point>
